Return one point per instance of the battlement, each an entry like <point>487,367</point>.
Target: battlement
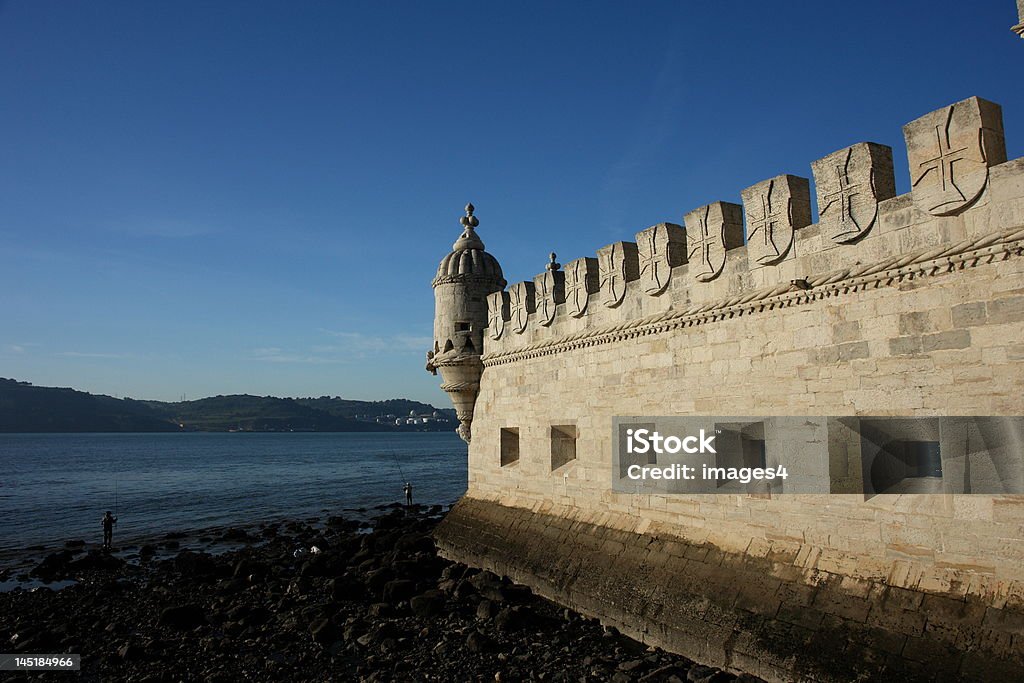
<point>727,259</point>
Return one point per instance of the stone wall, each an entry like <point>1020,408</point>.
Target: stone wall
<point>888,305</point>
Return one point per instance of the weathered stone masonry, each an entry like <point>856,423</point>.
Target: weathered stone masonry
<point>888,305</point>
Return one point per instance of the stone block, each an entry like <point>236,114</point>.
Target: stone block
<point>850,184</point>
<point>497,314</point>
<point>969,315</point>
<point>617,264</point>
<point>661,248</point>
<point>774,209</point>
<point>953,339</point>
<point>581,280</point>
<point>950,152</point>
<point>549,291</point>
<point>711,231</point>
<point>522,303</point>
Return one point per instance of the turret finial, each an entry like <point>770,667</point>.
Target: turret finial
<point>469,220</point>
<point>553,265</point>
<point>468,239</point>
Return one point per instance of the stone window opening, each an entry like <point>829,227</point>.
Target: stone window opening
<point>742,444</point>
<point>509,446</point>
<point>563,445</point>
<point>910,467</point>
<point>462,326</point>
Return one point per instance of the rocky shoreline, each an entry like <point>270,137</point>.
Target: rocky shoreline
<point>342,600</point>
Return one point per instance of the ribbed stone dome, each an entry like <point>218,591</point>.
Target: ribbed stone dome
<point>470,262</point>
<point>468,256</point>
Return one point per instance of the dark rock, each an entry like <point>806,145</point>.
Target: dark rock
<point>183,617</point>
<point>130,652</point>
<point>398,590</point>
<point>347,588</point>
<point>147,550</point>
<point>410,544</point>
<point>486,610</point>
<point>511,619</point>
<point>53,565</point>
<point>96,560</point>
<point>478,642</point>
<point>324,632</point>
<point>247,567</point>
<point>76,543</point>
<point>380,609</point>
<point>463,589</point>
<point>189,563</point>
<point>428,604</point>
<point>236,535</point>
<point>377,579</point>
<point>702,674</point>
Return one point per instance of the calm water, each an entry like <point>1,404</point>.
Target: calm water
<point>55,487</point>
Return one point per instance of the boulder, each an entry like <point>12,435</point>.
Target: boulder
<point>189,563</point>
<point>428,604</point>
<point>398,590</point>
<point>183,617</point>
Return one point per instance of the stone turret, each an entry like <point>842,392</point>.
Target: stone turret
<point>464,279</point>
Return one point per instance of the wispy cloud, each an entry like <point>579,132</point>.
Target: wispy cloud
<point>19,348</point>
<point>87,354</point>
<point>276,355</point>
<point>346,347</point>
<point>357,342</point>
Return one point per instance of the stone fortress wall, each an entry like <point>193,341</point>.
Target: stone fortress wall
<point>909,305</point>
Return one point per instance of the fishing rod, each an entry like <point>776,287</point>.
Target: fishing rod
<point>399,465</point>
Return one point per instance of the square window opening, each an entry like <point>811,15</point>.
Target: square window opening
<point>563,445</point>
<point>509,446</point>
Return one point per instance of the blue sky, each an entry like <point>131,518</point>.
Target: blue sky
<point>204,198</point>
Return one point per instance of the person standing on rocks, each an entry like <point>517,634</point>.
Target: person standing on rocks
<point>408,493</point>
<point>108,521</point>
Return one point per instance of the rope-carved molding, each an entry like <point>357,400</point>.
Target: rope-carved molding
<point>928,262</point>
<point>460,386</point>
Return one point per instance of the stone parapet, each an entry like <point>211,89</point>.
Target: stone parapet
<point>963,194</point>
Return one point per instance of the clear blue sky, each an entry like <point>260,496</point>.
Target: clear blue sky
<point>221,197</point>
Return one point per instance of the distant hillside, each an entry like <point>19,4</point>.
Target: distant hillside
<point>28,408</point>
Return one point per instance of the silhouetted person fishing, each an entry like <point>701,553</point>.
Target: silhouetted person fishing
<point>109,521</point>
<point>408,493</point>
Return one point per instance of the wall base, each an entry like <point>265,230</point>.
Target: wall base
<point>737,612</point>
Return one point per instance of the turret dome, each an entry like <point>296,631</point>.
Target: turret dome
<point>468,257</point>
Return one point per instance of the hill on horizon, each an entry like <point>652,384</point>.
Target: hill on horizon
<point>25,407</point>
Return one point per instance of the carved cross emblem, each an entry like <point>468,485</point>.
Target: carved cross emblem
<point>710,231</point>
<point>520,305</point>
<point>660,248</point>
<point>497,313</point>
<point>942,163</point>
<point>950,152</point>
<point>850,183</point>
<point>577,285</point>
<point>767,239</point>
<point>704,241</point>
<point>549,291</point>
<point>775,208</point>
